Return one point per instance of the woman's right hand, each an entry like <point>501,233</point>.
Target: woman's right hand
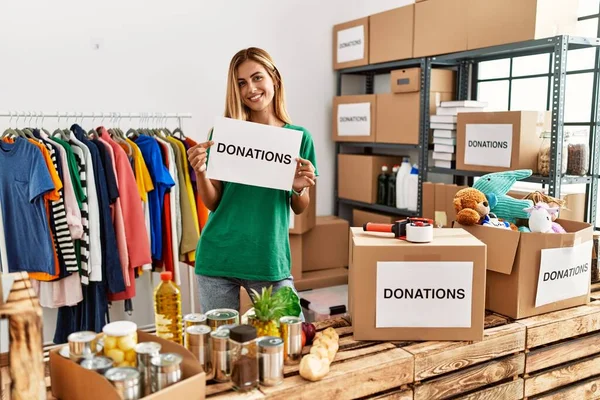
<point>197,156</point>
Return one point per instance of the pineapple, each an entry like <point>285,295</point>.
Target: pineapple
<point>266,309</point>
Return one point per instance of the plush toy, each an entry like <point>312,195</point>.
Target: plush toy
<point>493,221</point>
<point>471,206</point>
<point>540,219</point>
<point>497,184</point>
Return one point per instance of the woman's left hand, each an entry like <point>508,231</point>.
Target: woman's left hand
<point>304,176</point>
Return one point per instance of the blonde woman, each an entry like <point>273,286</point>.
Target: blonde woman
<point>245,241</point>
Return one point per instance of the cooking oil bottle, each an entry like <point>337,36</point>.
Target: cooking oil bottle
<point>167,309</point>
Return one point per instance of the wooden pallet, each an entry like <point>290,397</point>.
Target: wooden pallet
<point>485,369</point>
<point>562,353</point>
<point>371,367</point>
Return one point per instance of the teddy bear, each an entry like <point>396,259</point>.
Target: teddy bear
<point>471,206</point>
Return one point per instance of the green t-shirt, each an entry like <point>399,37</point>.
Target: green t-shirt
<point>247,236</point>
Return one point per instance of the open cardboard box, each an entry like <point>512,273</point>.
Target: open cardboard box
<point>514,264</point>
<point>72,382</point>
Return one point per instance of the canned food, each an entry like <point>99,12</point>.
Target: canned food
<point>194,319</point>
<point>82,345</point>
<point>221,355</point>
<point>291,333</point>
<point>119,343</point>
<point>145,351</point>
<point>166,370</point>
<point>126,381</point>
<point>270,360</point>
<point>99,364</point>
<point>197,341</point>
<point>222,316</point>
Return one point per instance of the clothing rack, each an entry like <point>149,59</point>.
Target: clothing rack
<point>115,117</point>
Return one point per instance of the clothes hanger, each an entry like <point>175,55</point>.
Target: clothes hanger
<point>179,130</point>
<point>42,125</point>
<point>8,132</point>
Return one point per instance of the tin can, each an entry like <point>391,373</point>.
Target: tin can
<point>99,364</point>
<point>82,345</point>
<point>270,360</point>
<point>194,319</point>
<point>291,333</point>
<point>197,341</point>
<point>221,355</point>
<point>145,351</point>
<point>126,381</point>
<point>166,370</point>
<point>222,316</point>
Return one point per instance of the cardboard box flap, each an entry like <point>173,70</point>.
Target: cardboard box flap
<point>441,238</point>
<point>71,381</point>
<point>502,245</point>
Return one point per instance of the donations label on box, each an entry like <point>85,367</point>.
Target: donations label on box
<point>354,119</point>
<point>424,294</point>
<point>564,273</point>
<point>488,144</point>
<point>351,44</point>
<point>253,154</point>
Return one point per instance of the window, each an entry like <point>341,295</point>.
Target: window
<point>524,83</point>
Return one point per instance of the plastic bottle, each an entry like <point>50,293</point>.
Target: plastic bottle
<point>412,188</point>
<point>382,185</point>
<point>391,193</point>
<point>403,172</point>
<point>167,309</point>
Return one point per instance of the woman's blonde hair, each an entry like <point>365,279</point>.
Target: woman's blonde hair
<point>234,107</point>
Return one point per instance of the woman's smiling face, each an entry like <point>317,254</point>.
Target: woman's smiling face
<point>256,86</point>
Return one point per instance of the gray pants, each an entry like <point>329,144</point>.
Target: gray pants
<point>220,292</point>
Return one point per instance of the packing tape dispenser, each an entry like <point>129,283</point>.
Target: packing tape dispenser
<point>414,230</point>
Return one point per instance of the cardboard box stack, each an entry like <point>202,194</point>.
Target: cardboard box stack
<point>438,202</point>
<point>433,27</point>
<point>443,124</point>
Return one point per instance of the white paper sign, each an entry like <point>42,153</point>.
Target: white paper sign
<point>354,119</point>
<point>253,154</point>
<point>351,44</point>
<point>564,273</point>
<point>488,144</point>
<point>424,294</point>
<point>292,218</point>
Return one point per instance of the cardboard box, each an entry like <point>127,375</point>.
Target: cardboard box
<point>515,268</point>
<point>322,279</point>
<point>70,381</point>
<point>357,175</point>
<point>398,112</point>
<point>304,222</point>
<point>428,200</point>
<point>351,44</point>
<point>354,118</point>
<point>245,301</point>
<point>451,191</point>
<point>360,218</point>
<point>326,245</point>
<point>398,115</point>
<point>391,34</point>
<point>297,253</point>
<point>408,80</point>
<point>496,22</point>
<point>440,27</point>
<point>441,209</point>
<point>384,271</point>
<point>500,141</point>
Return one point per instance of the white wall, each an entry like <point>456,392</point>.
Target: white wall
<point>156,56</point>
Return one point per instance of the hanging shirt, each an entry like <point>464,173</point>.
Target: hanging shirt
<point>168,234</point>
<point>162,181</point>
<point>24,181</point>
<point>202,209</point>
<point>116,209</point>
<point>94,263</point>
<point>142,176</point>
<point>111,272</point>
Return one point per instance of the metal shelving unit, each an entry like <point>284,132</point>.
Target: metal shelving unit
<point>466,63</point>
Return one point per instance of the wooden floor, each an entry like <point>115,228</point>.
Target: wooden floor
<point>552,356</point>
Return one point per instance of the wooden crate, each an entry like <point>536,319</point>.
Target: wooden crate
<point>486,369</point>
<point>562,354</point>
<point>359,369</point>
<point>23,377</point>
